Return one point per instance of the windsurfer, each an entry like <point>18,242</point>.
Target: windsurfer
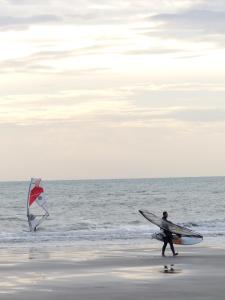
<point>167,236</point>
<point>35,195</point>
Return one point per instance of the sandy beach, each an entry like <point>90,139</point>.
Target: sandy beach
<point>112,273</point>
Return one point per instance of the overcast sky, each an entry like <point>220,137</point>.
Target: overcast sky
<point>111,88</point>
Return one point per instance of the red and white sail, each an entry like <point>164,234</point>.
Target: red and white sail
<point>36,197</point>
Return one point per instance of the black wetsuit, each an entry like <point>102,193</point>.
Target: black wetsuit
<point>168,238</point>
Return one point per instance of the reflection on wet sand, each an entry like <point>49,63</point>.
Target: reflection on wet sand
<point>171,269</point>
<point>37,253</point>
<point>138,273</point>
<point>10,284</point>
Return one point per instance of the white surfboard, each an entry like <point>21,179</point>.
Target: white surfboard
<point>179,240</point>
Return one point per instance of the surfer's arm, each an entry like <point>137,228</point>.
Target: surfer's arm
<point>169,222</point>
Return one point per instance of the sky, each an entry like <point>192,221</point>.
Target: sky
<point>94,89</point>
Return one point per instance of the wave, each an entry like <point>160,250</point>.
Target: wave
<point>131,232</point>
<point>11,219</point>
<point>134,222</point>
<point>218,192</point>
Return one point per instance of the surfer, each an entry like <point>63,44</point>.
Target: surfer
<point>167,237</point>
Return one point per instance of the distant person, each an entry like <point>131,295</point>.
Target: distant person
<point>167,236</point>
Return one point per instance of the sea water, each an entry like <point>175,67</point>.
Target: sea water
<point>100,212</point>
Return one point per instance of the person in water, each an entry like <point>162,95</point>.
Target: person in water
<point>167,237</point>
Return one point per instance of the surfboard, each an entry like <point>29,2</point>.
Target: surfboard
<point>182,235</point>
<point>179,240</point>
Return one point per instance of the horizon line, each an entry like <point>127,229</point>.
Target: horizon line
<point>122,178</point>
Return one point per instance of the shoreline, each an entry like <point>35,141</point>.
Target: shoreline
<point>122,272</point>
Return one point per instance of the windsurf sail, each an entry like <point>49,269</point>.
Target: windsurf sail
<point>167,225</point>
<point>36,197</point>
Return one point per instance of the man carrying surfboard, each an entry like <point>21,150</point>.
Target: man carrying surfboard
<point>167,236</point>
<point>171,233</point>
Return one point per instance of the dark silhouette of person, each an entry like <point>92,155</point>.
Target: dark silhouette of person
<point>167,236</point>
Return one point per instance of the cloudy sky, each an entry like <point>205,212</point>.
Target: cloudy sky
<point>111,88</point>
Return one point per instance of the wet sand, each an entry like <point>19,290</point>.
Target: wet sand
<point>125,272</point>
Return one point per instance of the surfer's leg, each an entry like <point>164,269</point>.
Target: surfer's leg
<point>172,247</point>
<point>164,246</point>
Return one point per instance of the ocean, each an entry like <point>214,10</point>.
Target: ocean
<point>103,212</point>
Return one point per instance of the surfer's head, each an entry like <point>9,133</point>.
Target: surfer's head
<point>165,214</point>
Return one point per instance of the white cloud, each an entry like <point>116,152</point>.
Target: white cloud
<point>196,24</point>
<point>106,108</point>
<point>83,12</point>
